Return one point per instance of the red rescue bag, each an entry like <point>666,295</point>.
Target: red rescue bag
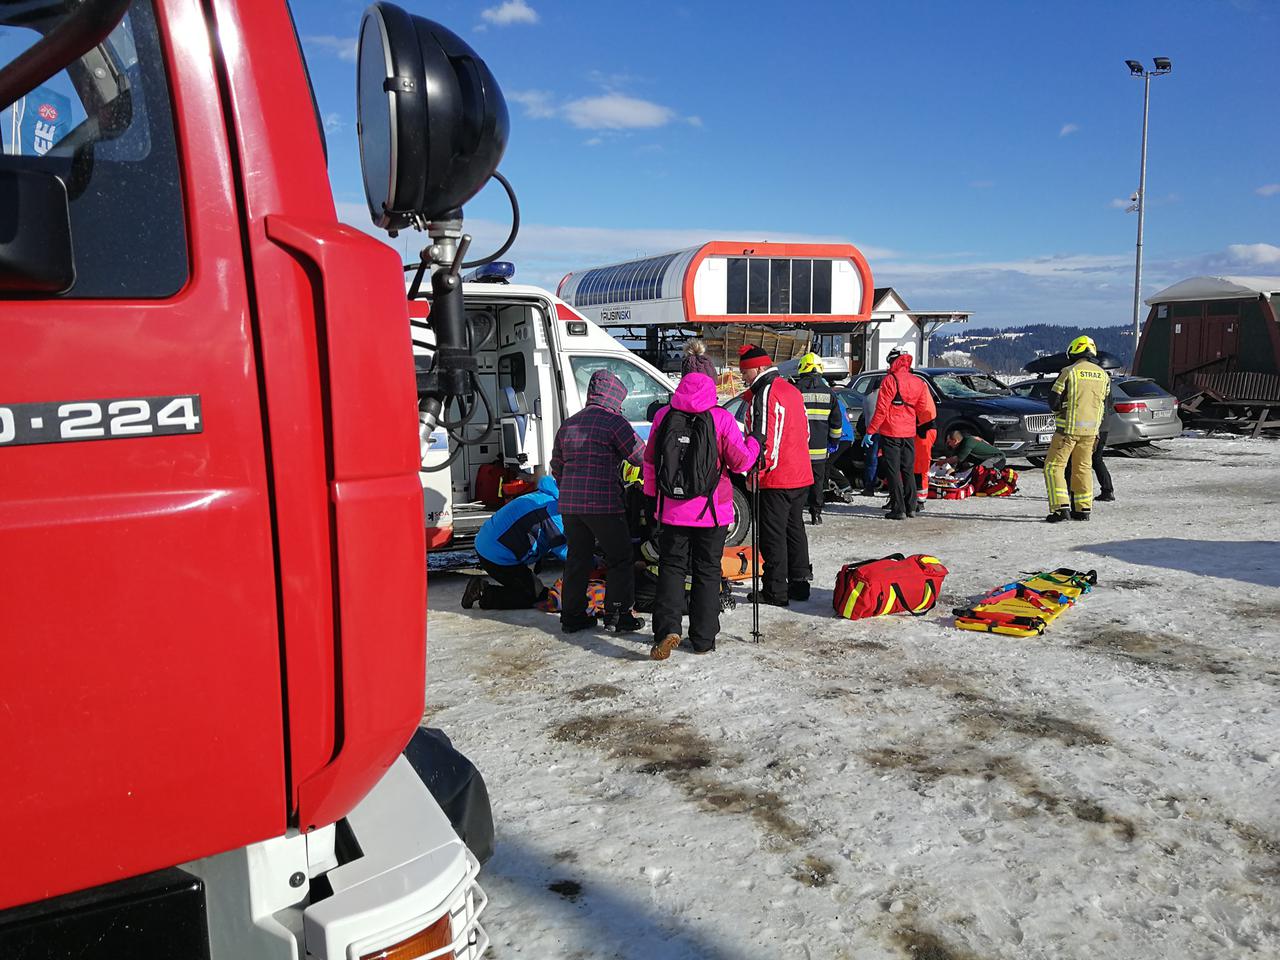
<point>896,584</point>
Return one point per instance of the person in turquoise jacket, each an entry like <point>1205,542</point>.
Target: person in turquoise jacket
<point>519,535</point>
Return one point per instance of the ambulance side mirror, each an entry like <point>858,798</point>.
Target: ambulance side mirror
<point>431,119</point>
<point>35,235</point>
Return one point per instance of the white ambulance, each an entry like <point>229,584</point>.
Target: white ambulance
<point>536,355</point>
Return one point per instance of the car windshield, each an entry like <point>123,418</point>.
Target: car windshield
<point>951,386</point>
<point>985,384</point>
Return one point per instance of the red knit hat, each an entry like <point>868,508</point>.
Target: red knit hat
<point>750,357</point>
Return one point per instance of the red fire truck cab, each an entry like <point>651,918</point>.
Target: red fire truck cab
<point>212,578</point>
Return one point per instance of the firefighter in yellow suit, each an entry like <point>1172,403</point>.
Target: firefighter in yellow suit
<point>1079,404</point>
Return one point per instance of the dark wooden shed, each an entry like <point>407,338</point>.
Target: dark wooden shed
<point>1210,325</point>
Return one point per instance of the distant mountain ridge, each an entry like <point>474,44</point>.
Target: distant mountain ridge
<point>1007,349</point>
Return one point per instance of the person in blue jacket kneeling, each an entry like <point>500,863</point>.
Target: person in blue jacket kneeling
<point>520,534</point>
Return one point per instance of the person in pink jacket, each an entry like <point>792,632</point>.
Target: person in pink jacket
<point>698,448</point>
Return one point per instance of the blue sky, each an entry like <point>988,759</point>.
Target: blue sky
<point>981,155</point>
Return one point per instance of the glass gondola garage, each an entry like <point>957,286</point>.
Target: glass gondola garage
<point>813,286</point>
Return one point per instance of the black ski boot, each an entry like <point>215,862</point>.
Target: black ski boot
<point>1107,496</point>
<point>626,622</point>
<point>815,518</point>
<point>1079,514</point>
<point>473,592</point>
<point>1058,516</point>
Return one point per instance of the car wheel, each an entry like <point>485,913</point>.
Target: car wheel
<point>740,529</point>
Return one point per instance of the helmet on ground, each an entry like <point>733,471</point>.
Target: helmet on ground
<point>809,363</point>
<point>1081,346</point>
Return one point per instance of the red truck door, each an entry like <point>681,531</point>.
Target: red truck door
<point>140,680</point>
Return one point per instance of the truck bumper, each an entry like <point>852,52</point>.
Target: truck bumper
<point>413,871</point>
<point>391,869</point>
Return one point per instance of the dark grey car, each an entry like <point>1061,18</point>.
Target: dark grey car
<point>976,402</point>
<point>1142,410</point>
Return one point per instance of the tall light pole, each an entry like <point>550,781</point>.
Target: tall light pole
<point>1162,66</point>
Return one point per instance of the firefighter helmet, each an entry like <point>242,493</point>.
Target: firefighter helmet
<point>809,363</point>
<point>1081,346</point>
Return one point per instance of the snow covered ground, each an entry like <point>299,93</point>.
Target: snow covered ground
<point>898,788</point>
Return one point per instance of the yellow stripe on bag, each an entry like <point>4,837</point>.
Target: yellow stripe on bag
<point>924,559</point>
<point>888,603</point>
<point>928,599</point>
<point>853,599</point>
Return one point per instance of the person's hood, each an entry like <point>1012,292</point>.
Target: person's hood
<point>901,363</point>
<point>605,390</point>
<point>696,393</point>
<point>549,486</point>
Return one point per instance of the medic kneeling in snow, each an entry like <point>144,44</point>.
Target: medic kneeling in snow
<point>522,533</point>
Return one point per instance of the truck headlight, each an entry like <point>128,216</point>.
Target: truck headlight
<point>998,420</point>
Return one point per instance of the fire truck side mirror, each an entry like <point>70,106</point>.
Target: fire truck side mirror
<point>431,119</point>
<point>35,235</point>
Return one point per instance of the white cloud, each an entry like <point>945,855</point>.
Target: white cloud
<point>537,103</point>
<point>1255,254</point>
<point>1068,129</point>
<point>608,111</point>
<point>1268,190</point>
<point>1120,203</point>
<point>616,111</point>
<point>694,121</point>
<point>344,48</point>
<point>1067,289</point>
<point>509,12</point>
<point>333,123</point>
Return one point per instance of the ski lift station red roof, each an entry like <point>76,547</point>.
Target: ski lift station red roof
<point>728,282</point>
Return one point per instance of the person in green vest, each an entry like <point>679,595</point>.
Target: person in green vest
<point>969,450</point>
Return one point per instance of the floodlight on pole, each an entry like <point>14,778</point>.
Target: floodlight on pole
<point>1163,65</point>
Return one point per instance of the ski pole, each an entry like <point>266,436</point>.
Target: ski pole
<point>754,478</point>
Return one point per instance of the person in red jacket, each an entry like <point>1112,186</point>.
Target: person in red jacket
<point>904,404</point>
<point>776,417</point>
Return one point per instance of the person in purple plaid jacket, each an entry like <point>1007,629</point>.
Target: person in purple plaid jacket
<point>587,464</point>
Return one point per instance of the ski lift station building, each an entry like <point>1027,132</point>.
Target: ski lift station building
<point>826,287</point>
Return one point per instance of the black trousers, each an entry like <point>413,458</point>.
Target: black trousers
<point>1100,466</point>
<point>784,545</point>
<point>899,459</point>
<point>518,587</point>
<point>818,491</point>
<point>584,532</point>
<point>683,551</point>
<point>840,466</point>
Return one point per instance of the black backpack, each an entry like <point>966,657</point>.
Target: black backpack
<point>686,458</point>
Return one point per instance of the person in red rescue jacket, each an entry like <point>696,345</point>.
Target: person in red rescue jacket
<point>776,417</point>
<point>904,404</point>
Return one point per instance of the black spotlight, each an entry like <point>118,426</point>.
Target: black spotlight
<point>431,118</point>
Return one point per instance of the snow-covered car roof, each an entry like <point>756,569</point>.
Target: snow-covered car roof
<point>1217,288</point>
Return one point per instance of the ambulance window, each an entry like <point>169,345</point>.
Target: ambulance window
<point>104,126</point>
<point>642,387</point>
